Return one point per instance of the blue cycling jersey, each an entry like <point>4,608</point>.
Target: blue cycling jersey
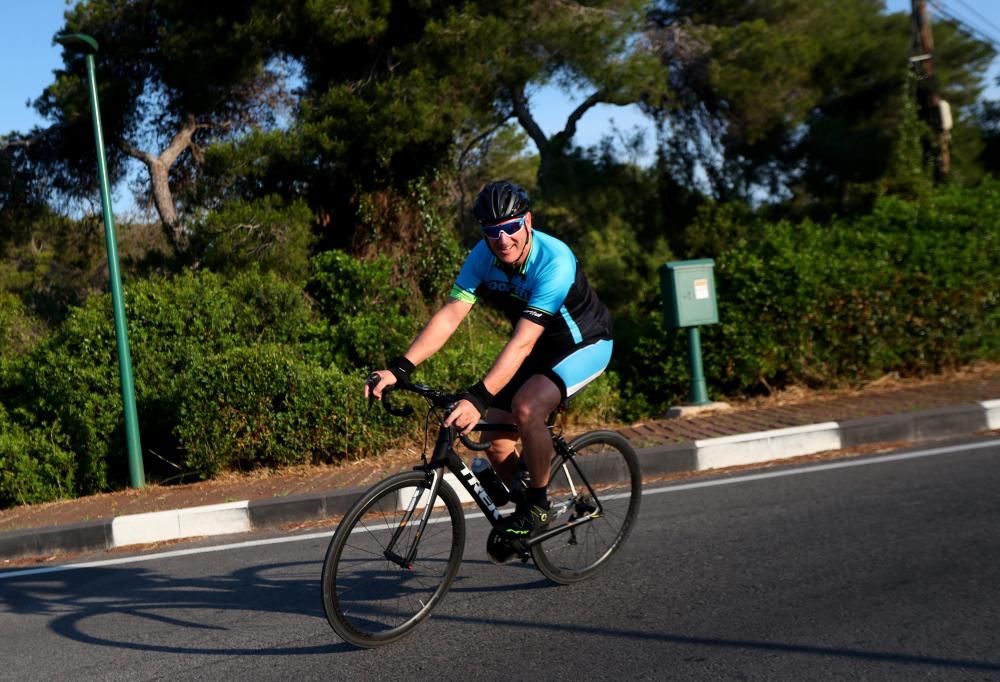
<point>548,289</point>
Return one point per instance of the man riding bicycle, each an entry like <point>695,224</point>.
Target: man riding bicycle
<point>561,341</point>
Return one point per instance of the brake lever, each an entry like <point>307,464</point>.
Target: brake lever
<point>372,382</point>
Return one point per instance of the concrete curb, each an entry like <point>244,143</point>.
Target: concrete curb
<point>748,448</point>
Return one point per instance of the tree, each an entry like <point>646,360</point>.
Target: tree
<point>173,76</point>
<point>21,190</point>
<point>394,92</point>
<point>794,99</point>
<point>599,49</point>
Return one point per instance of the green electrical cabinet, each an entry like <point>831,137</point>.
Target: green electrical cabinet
<point>688,289</point>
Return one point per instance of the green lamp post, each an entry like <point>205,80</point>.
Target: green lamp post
<point>79,42</point>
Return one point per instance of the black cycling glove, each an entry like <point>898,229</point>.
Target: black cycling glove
<point>479,397</point>
<point>401,368</point>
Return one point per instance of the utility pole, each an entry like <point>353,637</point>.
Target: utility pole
<point>934,109</point>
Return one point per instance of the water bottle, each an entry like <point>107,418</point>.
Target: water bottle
<point>495,488</point>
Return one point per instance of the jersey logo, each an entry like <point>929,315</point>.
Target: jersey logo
<point>509,288</point>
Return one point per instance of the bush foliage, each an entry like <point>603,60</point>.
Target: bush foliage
<point>910,288</point>
<point>263,406</point>
<point>253,370</point>
<point>35,465</point>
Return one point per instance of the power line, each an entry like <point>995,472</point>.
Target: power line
<point>975,13</point>
<point>975,32</point>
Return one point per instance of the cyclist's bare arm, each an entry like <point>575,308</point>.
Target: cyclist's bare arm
<point>429,341</point>
<point>526,335</point>
<point>438,330</point>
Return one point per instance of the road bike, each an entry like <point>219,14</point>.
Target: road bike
<point>396,552</point>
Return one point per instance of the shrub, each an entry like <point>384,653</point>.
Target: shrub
<point>19,334</point>
<point>264,406</point>
<point>34,465</point>
<point>469,353</point>
<point>364,319</point>
<point>174,326</point>
<point>598,403</point>
<point>909,288</point>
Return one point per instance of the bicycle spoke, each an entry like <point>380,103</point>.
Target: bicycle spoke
<point>603,474</point>
<point>371,599</point>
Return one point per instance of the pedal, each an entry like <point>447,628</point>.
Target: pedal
<point>585,506</point>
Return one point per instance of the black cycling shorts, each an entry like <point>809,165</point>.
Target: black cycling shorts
<point>570,369</point>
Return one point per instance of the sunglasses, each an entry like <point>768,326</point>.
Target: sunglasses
<point>508,227</point>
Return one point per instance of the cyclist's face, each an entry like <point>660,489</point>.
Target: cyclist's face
<point>508,248</point>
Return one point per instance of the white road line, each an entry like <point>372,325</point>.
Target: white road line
<point>478,515</point>
<point>826,467</point>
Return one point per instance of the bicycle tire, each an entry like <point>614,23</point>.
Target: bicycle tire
<point>610,472</point>
<point>370,600</point>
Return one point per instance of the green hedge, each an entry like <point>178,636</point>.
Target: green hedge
<point>175,325</point>
<point>364,318</point>
<point>34,464</point>
<point>251,370</point>
<point>264,406</point>
<point>19,333</point>
<point>910,288</point>
<point>232,373</point>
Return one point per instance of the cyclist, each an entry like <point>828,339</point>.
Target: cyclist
<point>561,341</point>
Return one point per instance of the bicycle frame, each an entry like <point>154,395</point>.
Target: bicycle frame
<point>399,548</point>
<point>444,457</point>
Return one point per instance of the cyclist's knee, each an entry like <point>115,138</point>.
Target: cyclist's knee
<point>528,411</point>
<point>524,412</point>
<point>533,403</point>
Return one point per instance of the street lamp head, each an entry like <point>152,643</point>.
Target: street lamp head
<point>78,42</point>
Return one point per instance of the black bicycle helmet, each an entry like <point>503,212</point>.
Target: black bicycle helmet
<point>499,201</point>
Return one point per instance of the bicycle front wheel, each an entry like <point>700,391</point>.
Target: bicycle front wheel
<point>384,570</point>
<point>601,481</point>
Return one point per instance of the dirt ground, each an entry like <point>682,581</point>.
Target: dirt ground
<point>309,479</point>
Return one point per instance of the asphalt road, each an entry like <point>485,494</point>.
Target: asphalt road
<point>886,568</point>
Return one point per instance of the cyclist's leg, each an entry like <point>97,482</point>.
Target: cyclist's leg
<point>531,407</point>
<point>566,376</point>
<point>502,452</point>
<point>535,400</point>
<point>552,380</point>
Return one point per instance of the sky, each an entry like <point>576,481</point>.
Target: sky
<point>29,57</point>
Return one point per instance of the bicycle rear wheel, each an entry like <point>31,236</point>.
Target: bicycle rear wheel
<point>371,595</point>
<point>601,480</point>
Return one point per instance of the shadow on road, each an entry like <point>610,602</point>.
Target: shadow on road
<point>76,601</point>
<point>202,612</point>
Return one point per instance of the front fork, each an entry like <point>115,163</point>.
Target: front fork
<point>406,561</point>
